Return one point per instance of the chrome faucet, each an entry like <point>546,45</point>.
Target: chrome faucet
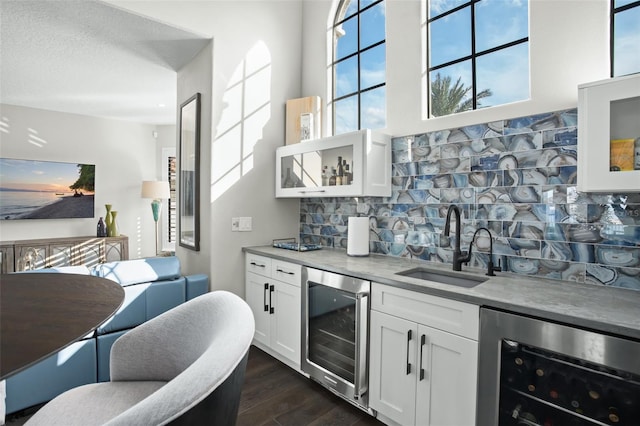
<point>458,256</point>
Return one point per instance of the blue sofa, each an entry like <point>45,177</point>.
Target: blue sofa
<point>152,286</point>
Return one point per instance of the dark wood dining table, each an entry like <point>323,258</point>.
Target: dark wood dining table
<point>42,313</point>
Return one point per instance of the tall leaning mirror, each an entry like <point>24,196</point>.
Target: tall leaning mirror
<point>189,174</point>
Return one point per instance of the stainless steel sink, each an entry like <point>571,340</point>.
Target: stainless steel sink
<point>443,278</point>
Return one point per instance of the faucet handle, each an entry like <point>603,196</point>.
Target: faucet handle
<point>491,268</point>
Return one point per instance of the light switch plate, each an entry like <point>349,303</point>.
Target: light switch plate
<point>245,224</point>
<point>235,224</point>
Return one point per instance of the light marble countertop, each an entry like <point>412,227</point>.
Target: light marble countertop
<point>606,309</point>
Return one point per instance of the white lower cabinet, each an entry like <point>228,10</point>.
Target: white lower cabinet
<point>276,306</point>
<point>422,375</point>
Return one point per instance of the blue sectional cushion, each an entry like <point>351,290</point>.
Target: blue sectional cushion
<point>104,354</point>
<point>73,366</point>
<point>164,295</point>
<point>127,272</point>
<point>131,313</point>
<point>197,285</point>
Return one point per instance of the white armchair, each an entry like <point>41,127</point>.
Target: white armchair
<point>185,366</point>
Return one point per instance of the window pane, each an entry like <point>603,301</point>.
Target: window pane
<point>346,115</point>
<point>372,25</point>
<point>626,39</point>
<point>619,3</point>
<point>451,89</point>
<point>365,3</point>
<point>373,112</point>
<point>349,7</point>
<point>346,38</point>
<point>505,74</point>
<point>450,37</point>
<point>372,67</point>
<point>346,77</point>
<point>499,22</point>
<point>436,7</point>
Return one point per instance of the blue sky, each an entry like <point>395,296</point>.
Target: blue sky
<point>37,175</point>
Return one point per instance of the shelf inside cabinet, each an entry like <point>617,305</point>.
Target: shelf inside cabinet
<point>352,164</point>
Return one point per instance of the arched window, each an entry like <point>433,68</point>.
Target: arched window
<point>478,54</point>
<point>359,66</point>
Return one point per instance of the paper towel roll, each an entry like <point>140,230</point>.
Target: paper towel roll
<point>358,236</point>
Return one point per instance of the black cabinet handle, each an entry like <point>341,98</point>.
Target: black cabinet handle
<point>423,340</point>
<point>271,310</point>
<point>264,296</point>
<point>258,265</point>
<point>285,272</point>
<point>409,337</point>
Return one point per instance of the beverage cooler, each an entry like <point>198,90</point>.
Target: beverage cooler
<point>535,372</point>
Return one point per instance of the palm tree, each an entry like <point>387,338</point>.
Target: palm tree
<point>86,177</point>
<point>446,99</point>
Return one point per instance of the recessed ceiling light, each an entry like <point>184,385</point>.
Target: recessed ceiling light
<point>161,105</point>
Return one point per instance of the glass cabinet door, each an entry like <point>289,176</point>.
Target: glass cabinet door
<point>609,135</point>
<point>348,165</point>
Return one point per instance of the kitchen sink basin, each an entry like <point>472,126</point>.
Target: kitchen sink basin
<point>443,278</point>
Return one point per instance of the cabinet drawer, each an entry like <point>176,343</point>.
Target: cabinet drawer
<point>258,264</point>
<point>286,272</point>
<point>437,312</point>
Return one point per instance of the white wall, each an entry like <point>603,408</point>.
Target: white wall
<point>196,78</point>
<point>568,46</point>
<point>256,68</point>
<point>121,152</point>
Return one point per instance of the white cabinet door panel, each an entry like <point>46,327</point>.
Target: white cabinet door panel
<point>285,320</point>
<point>391,384</point>
<point>257,293</point>
<point>447,394</point>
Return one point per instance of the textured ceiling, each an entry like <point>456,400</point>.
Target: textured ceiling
<point>90,58</point>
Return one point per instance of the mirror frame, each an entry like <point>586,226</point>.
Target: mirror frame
<point>189,174</point>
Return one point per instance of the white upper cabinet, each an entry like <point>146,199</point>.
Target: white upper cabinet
<point>609,135</point>
<point>306,169</point>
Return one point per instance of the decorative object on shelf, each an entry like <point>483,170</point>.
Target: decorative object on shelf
<point>621,158</point>
<point>292,244</point>
<point>107,217</point>
<point>306,126</point>
<point>102,228</point>
<point>303,119</point>
<point>113,230</point>
<point>189,174</point>
<point>157,191</point>
<point>288,180</point>
<point>340,172</point>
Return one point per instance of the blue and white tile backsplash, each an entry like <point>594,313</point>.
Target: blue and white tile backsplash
<point>516,177</point>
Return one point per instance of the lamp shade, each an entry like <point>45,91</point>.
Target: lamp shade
<point>158,190</point>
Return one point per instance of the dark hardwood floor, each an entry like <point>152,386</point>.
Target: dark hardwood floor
<point>274,394</point>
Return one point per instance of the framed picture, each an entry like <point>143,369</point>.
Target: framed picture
<point>33,189</point>
<point>189,174</point>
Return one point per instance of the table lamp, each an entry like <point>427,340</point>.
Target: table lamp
<point>158,191</point>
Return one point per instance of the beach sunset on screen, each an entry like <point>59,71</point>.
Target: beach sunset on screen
<point>45,189</point>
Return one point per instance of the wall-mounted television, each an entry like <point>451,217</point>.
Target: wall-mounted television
<point>31,189</point>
